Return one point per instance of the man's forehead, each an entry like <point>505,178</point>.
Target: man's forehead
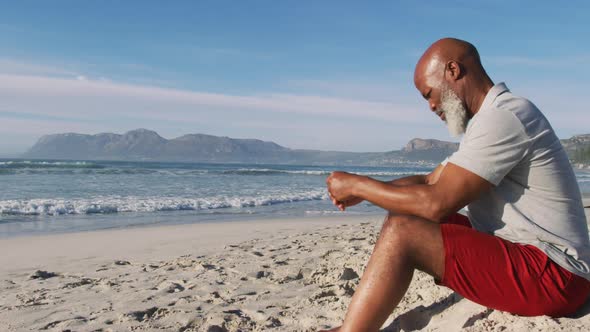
<point>420,82</point>
<point>426,71</point>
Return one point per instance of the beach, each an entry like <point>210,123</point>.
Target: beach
<point>230,166</point>
<point>289,274</point>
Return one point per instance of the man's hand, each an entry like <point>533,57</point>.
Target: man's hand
<point>340,188</point>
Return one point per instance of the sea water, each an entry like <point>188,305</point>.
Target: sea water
<point>49,196</point>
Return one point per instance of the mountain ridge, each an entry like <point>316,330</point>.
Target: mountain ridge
<point>147,145</point>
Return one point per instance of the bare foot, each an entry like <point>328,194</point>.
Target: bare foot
<point>336,329</point>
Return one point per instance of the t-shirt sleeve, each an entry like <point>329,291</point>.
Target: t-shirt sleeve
<point>492,145</point>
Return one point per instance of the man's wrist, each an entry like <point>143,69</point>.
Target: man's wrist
<point>358,189</point>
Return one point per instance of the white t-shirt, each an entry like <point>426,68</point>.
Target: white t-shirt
<point>535,199</point>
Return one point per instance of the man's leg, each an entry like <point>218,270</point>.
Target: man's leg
<point>485,269</point>
<point>405,243</point>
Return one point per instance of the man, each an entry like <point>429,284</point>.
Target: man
<point>524,247</point>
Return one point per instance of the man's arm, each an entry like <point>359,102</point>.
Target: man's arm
<point>444,191</point>
<point>430,178</point>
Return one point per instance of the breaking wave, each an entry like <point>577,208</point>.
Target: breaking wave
<point>16,164</point>
<point>89,168</point>
<point>267,171</point>
<point>105,205</point>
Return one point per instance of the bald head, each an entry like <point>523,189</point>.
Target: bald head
<point>452,67</point>
<point>436,57</point>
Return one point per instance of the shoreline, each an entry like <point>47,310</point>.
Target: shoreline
<point>172,219</point>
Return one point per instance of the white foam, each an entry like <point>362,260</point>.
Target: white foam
<point>255,171</point>
<point>49,163</point>
<point>148,204</point>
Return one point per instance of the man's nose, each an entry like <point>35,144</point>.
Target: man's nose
<point>432,107</point>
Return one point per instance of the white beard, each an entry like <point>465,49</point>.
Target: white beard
<point>455,112</point>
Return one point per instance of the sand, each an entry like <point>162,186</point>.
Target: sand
<point>281,275</point>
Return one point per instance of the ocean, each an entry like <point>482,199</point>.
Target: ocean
<point>51,196</point>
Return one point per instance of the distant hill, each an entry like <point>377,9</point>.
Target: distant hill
<point>429,149</point>
<point>578,149</point>
<point>147,145</point>
<point>143,144</point>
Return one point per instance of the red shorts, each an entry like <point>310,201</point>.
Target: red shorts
<point>507,276</point>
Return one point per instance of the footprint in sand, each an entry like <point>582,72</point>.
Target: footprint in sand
<point>82,282</point>
<point>170,287</point>
<point>78,320</point>
<point>42,275</point>
<point>144,315</point>
<point>121,262</point>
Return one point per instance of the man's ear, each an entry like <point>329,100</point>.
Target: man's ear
<point>453,70</point>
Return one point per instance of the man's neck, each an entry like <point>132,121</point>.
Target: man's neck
<point>480,91</point>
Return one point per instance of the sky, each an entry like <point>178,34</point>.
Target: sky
<point>330,75</point>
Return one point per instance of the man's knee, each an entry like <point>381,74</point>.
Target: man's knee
<point>418,240</point>
<point>401,227</point>
<point>400,222</point>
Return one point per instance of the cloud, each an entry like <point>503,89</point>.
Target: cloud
<point>16,67</point>
<point>34,127</point>
<point>38,105</point>
<point>80,97</point>
<point>335,115</point>
<point>133,73</point>
<point>383,91</point>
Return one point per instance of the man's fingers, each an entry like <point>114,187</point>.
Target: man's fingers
<point>340,205</point>
<point>332,198</point>
<point>334,201</point>
<point>337,203</point>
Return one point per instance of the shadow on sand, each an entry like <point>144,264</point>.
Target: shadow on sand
<point>419,317</point>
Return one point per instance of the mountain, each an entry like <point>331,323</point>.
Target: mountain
<point>429,149</point>
<point>147,145</point>
<point>143,144</point>
<point>578,149</point>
